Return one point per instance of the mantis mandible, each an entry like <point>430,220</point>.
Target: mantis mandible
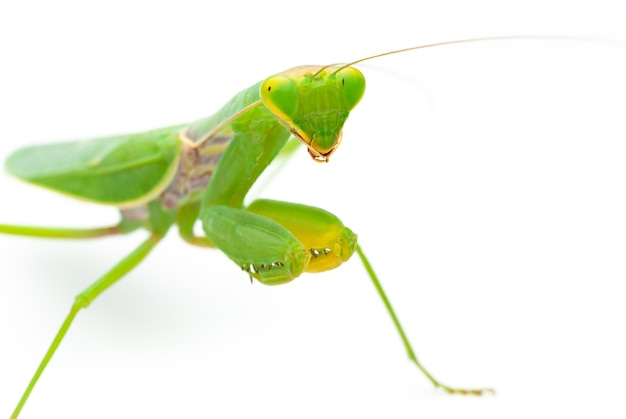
<point>202,172</point>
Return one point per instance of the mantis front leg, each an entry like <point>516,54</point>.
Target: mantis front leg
<point>277,241</point>
<point>273,241</point>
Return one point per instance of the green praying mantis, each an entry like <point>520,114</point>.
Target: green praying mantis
<point>202,172</point>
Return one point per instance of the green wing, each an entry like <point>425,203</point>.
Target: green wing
<point>124,170</point>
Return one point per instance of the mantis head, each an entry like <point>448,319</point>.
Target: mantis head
<point>313,102</point>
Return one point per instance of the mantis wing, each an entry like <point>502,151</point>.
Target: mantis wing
<point>123,171</point>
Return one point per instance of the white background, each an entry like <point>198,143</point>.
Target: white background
<point>486,182</point>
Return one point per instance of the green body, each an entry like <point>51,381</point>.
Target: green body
<point>203,171</point>
<point>214,161</point>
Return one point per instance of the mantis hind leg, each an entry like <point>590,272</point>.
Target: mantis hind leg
<point>323,231</point>
<point>405,339</point>
<point>83,300</point>
<point>125,226</point>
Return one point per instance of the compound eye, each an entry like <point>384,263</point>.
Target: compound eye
<point>353,83</point>
<point>280,95</point>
